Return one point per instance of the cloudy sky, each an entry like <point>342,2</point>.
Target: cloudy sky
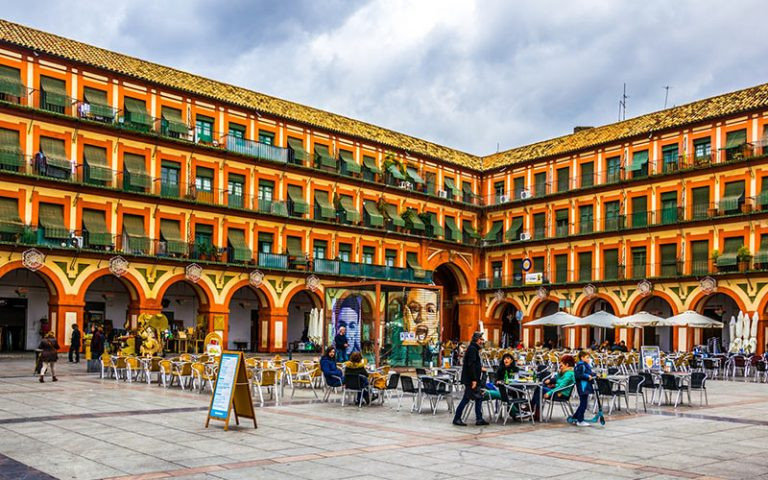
<point>467,74</point>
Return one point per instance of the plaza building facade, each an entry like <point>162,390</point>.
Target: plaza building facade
<point>131,188</point>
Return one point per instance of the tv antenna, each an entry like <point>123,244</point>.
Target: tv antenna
<point>666,95</point>
<point>623,104</point>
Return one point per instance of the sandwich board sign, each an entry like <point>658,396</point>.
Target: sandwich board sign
<point>231,391</point>
<point>651,358</point>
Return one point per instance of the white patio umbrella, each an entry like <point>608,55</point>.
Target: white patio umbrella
<point>559,319</point>
<point>732,333</point>
<point>753,333</point>
<point>745,331</point>
<point>739,328</point>
<point>690,318</point>
<point>641,319</point>
<point>601,319</point>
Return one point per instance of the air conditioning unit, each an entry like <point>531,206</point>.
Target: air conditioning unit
<point>525,236</point>
<point>503,198</point>
<point>442,193</point>
<point>406,185</point>
<point>525,194</point>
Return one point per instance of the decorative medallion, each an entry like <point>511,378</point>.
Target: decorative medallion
<point>708,284</point>
<point>644,288</point>
<point>542,293</point>
<point>590,290</point>
<point>193,272</point>
<point>313,283</point>
<point>256,278</point>
<point>33,259</point>
<point>118,266</point>
<point>499,296</point>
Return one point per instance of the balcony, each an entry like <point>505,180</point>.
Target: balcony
<point>258,150</point>
<point>273,260</point>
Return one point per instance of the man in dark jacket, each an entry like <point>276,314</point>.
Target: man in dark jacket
<point>97,343</point>
<point>471,373</point>
<point>341,343</point>
<point>74,344</point>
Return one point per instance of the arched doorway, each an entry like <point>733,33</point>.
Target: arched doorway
<point>107,303</point>
<point>446,278</point>
<point>721,307</point>
<point>248,325</point>
<point>24,300</point>
<point>661,336</point>
<point>599,334</point>
<point>510,325</point>
<point>299,308</point>
<point>181,304</point>
<point>551,335</point>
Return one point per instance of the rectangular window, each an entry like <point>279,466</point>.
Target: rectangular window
<point>169,179</point>
<point>204,179</point>
<point>368,254</point>
<point>585,266</point>
<point>518,186</point>
<point>669,208</point>
<point>540,184</point>
<point>237,131</point>
<point>638,262</point>
<point>668,254</point>
<point>390,257</point>
<point>11,156</point>
<point>235,193</point>
<point>266,241</point>
<point>613,169</point>
<point>95,165</point>
<point>669,155</point>
<point>702,151</point>
<point>586,219</point>
<point>538,264</point>
<point>561,268</point>
<point>135,114</point>
<point>469,194</point>
<point>53,94</point>
<point>733,198</point>
<point>639,211</point>
<point>639,166</point>
<point>298,206</point>
<point>266,190</point>
<point>203,234</point>
<point>345,252</point>
<point>204,128</point>
<point>498,190</point>
<point>587,174</point>
<point>517,271</point>
<point>700,202</point>
<point>266,137</point>
<point>561,222</point>
<point>736,145</point>
<point>452,229</point>
<point>612,216</point>
<point>563,179</point>
<point>319,248</point>
<point>611,264</point>
<point>539,225</point>
<point>497,271</point>
<point>11,87</point>
<point>700,257</point>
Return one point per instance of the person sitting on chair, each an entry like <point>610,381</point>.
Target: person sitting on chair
<point>506,372</point>
<point>563,378</point>
<point>331,371</point>
<point>356,367</point>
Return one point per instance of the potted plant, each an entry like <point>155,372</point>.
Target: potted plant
<point>203,250</point>
<point>746,207</point>
<point>714,256</point>
<point>744,257</point>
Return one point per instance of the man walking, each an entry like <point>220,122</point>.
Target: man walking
<point>74,344</point>
<point>471,373</point>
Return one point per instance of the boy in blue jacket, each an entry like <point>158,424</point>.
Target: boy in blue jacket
<point>583,375</point>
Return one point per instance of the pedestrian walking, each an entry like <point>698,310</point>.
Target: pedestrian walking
<point>74,344</point>
<point>49,355</point>
<point>97,343</point>
<point>471,374</point>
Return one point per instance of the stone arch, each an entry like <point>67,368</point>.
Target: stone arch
<point>637,302</point>
<point>203,290</point>
<point>247,324</point>
<point>131,283</point>
<point>460,269</point>
<point>496,307</point>
<point>507,328</point>
<point>55,285</point>
<point>317,298</point>
<point>537,307</point>
<point>583,303</point>
<point>697,301</point>
<point>265,294</point>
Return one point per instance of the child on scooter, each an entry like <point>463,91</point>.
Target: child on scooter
<point>584,377</point>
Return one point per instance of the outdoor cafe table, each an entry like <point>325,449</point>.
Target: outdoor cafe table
<point>529,388</point>
<point>683,380</point>
<point>441,378</point>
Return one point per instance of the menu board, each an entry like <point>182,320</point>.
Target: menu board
<point>225,386</point>
<point>650,356</point>
<point>231,392</point>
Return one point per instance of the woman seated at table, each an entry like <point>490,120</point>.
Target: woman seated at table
<point>505,373</point>
<point>355,368</point>
<point>332,373</point>
<point>564,378</point>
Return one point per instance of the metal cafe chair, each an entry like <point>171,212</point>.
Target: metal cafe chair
<point>357,384</point>
<point>407,387</point>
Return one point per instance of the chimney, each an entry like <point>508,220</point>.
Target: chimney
<point>579,129</point>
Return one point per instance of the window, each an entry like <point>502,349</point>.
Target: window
<point>612,217</point>
<point>430,178</point>
<point>169,179</point>
<point>11,156</point>
<point>736,145</point>
<point>298,206</point>
<point>761,256</point>
<point>203,234</point>
<point>762,198</point>
<point>57,164</point>
<point>453,232</point>
<point>587,174</point>
<point>668,254</point>
<point>561,222</point>
<point>613,169</point>
<point>204,128</point>
<point>390,257</point>
<point>469,232</point>
<point>513,234</point>
<point>53,94</point>
<point>639,211</point>
<point>517,271</point>
<point>498,190</point>
<point>135,178</point>
<point>733,198</point>
<point>639,166</point>
<point>638,262</point>
<point>266,241</point>
<point>669,154</point>
<point>370,168</point>
<point>95,165</point>
<point>345,252</point>
<point>700,257</point>
<point>518,185</point>
<point>266,137</point>
<point>728,259</point>
<point>237,131</point>
<point>611,264</point>
<point>538,264</point>
<point>497,269</point>
<point>561,268</point>
<point>702,151</point>
<point>266,194</point>
<point>204,184</point>
<point>700,202</point>
<point>496,233</point>
<point>135,114</point>
<point>95,232</point>
<point>235,185</point>
<point>172,242</point>
<point>319,248</point>
<point>11,88</point>
<point>469,195</point>
<point>323,208</point>
<point>563,177</point>
<point>585,266</point>
<point>586,219</point>
<point>172,124</point>
<point>540,184</point>
<point>539,225</point>
<point>669,208</point>
<point>368,254</point>
<point>95,105</point>
<point>134,235</point>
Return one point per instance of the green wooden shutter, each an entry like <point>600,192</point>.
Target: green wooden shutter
<point>51,218</point>
<point>700,257</point>
<point>296,194</point>
<point>293,245</point>
<point>639,160</point>
<point>136,168</point>
<point>324,207</point>
<point>700,202</point>
<point>95,223</point>
<point>299,154</point>
<point>587,174</point>
<point>374,217</point>
<point>171,232</point>
<point>437,229</point>
<point>561,268</point>
<point>493,231</point>
<point>54,91</point>
<point>136,111</point>
<point>349,162</point>
<point>639,261</point>
<point>96,163</point>
<point>563,177</point>
<point>586,219</point>
<point>513,234</point>
<point>323,157</point>
<point>11,156</point>
<point>370,164</point>
<point>453,229</point>
<point>585,266</point>
<point>640,211</point>
<point>240,250</point>
<point>347,205</point>
<point>735,139</point>
<point>668,207</point>
<point>668,253</point>
<point>611,264</point>
<point>10,81</point>
<point>10,220</point>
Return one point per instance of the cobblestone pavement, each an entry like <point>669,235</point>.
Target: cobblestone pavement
<point>86,428</point>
